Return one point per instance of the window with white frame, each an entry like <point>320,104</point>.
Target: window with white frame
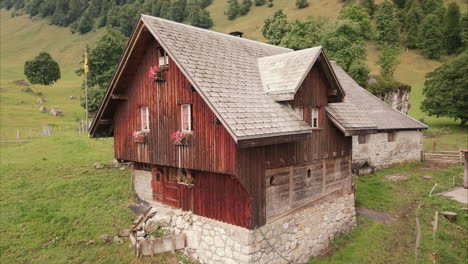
<point>315,117</point>
<point>144,112</point>
<point>186,117</point>
<point>163,58</point>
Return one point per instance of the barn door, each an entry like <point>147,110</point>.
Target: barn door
<point>157,184</point>
<point>171,188</point>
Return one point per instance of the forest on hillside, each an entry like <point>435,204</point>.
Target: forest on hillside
<point>84,15</point>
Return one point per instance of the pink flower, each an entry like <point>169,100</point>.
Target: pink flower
<point>153,72</point>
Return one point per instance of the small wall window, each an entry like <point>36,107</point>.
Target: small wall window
<point>362,139</point>
<point>391,136</point>
<point>144,112</point>
<point>186,117</point>
<point>163,58</point>
<point>315,117</point>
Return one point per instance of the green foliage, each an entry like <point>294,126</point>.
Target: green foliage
<point>123,18</point>
<point>344,43</point>
<point>431,6</point>
<point>304,34</point>
<point>453,29</point>
<point>388,60</point>
<point>42,69</point>
<point>446,92</point>
<point>86,23</point>
<point>302,3</point>
<point>177,10</point>
<point>360,73</point>
<point>259,2</point>
<point>383,86</point>
<point>103,59</point>
<point>233,9</point>
<point>369,5</point>
<point>399,3</point>
<point>245,7</point>
<point>200,18</point>
<point>276,27</point>
<point>359,15</point>
<point>412,19</point>
<point>464,31</point>
<point>387,25</point>
<point>431,38</point>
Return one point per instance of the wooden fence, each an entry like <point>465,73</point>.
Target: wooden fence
<point>453,157</point>
<point>28,134</point>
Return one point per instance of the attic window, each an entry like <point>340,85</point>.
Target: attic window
<point>391,136</point>
<point>144,114</point>
<point>362,139</point>
<point>315,118</point>
<point>163,58</point>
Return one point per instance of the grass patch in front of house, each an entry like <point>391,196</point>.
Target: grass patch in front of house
<point>372,242</point>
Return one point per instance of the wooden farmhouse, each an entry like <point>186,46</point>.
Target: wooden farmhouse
<point>250,144</point>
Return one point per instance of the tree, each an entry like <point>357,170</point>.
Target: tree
<point>245,7</point>
<point>388,60</point>
<point>431,39</point>
<point>102,60</point>
<point>369,5</point>
<point>464,30</point>
<point>177,10</point>
<point>359,15</point>
<point>86,23</point>
<point>453,29</point>
<point>233,9</point>
<point>276,27</point>
<point>304,34</point>
<point>430,6</point>
<point>42,69</point>
<point>302,3</point>
<point>259,2</point>
<point>344,43</point>
<point>445,90</point>
<point>360,73</point>
<point>413,18</point>
<point>200,18</point>
<point>400,3</point>
<point>165,11</point>
<point>387,26</point>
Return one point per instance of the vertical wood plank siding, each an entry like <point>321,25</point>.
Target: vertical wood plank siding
<point>211,149</point>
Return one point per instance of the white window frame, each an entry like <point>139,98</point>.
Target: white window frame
<point>144,109</point>
<point>163,58</point>
<point>314,114</point>
<point>189,117</point>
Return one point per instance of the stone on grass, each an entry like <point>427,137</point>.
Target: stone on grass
<point>72,97</point>
<point>56,111</point>
<point>40,100</point>
<point>43,109</point>
<point>105,238</point>
<point>451,216</point>
<point>118,240</point>
<point>124,232</point>
<point>90,242</point>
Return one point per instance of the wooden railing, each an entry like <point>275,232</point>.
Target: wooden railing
<point>453,157</point>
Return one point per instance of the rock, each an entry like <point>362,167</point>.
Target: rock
<point>427,177</point>
<point>124,233</point>
<point>451,216</point>
<point>141,233</point>
<point>98,165</point>
<point>43,109</point>
<point>22,82</point>
<point>118,240</point>
<point>56,111</point>
<point>72,97</point>
<point>105,238</point>
<point>90,242</point>
<point>40,100</point>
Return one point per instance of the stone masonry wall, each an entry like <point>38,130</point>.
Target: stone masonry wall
<point>297,236</point>
<point>142,184</point>
<point>380,153</point>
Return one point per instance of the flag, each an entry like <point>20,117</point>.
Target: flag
<point>86,68</point>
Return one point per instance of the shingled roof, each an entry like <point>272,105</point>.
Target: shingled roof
<point>348,118</point>
<point>382,114</point>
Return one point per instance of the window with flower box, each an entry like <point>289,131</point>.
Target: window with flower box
<point>144,112</point>
<point>163,58</point>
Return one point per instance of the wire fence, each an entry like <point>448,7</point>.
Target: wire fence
<point>29,134</point>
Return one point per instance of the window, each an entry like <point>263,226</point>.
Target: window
<point>163,58</point>
<point>362,139</point>
<point>144,111</point>
<point>186,117</point>
<point>315,118</point>
<point>391,136</point>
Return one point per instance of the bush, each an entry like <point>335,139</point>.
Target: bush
<point>383,86</point>
<point>259,2</point>
<point>270,4</point>
<point>302,3</point>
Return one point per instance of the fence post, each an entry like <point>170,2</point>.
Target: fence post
<point>18,136</point>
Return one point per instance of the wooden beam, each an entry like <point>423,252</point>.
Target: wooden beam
<point>332,92</point>
<point>105,121</point>
<point>247,143</point>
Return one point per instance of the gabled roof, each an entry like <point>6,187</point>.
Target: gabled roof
<point>382,114</point>
<point>348,118</point>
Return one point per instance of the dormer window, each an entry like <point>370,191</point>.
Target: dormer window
<point>144,114</point>
<point>163,58</point>
<point>315,118</point>
<point>186,117</point>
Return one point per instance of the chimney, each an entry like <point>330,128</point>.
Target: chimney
<point>237,34</point>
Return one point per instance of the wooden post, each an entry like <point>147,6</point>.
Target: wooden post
<point>465,172</point>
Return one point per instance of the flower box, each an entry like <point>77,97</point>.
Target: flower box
<point>140,136</point>
<point>181,138</point>
<point>158,74</point>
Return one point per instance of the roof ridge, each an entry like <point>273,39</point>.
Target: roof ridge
<point>216,32</point>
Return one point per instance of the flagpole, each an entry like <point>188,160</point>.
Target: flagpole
<point>86,85</point>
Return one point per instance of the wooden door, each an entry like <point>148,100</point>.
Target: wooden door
<point>171,188</point>
<point>157,182</point>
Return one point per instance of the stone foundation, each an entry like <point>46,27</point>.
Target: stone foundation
<point>296,236</point>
